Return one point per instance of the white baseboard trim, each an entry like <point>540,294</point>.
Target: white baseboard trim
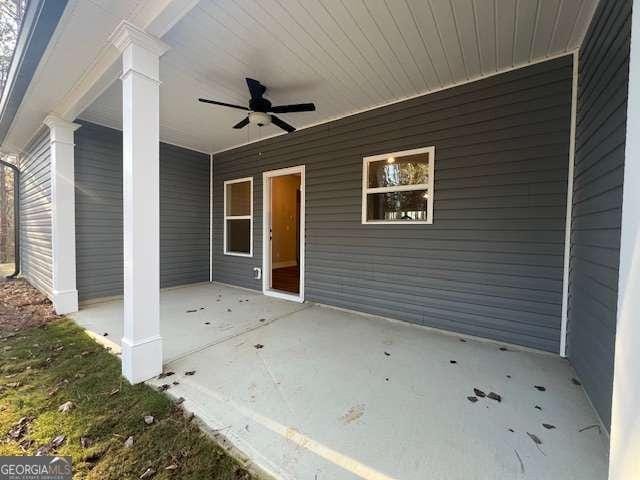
<point>65,302</point>
<point>141,360</point>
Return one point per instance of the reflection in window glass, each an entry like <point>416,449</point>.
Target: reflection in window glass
<point>238,199</point>
<point>239,236</point>
<point>405,170</point>
<point>397,206</point>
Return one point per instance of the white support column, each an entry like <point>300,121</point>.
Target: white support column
<point>141,343</point>
<point>63,214</point>
<point>624,457</point>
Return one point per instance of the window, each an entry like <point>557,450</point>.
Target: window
<point>398,187</point>
<point>238,217</point>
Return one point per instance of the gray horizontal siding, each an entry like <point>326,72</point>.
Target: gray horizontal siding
<point>490,265</point>
<point>597,200</point>
<point>99,244</point>
<point>35,215</point>
<point>184,214</point>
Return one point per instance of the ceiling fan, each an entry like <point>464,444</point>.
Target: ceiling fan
<point>260,108</point>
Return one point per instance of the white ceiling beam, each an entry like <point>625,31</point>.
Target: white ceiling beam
<point>155,17</point>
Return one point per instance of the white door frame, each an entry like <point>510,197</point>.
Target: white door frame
<point>266,246</point>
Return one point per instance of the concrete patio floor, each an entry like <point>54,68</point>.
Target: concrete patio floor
<point>310,392</point>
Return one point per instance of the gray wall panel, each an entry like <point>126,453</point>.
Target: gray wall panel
<point>490,265</point>
<point>184,214</point>
<point>597,200</point>
<point>35,215</point>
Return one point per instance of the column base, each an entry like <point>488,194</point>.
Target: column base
<point>141,360</point>
<point>65,302</point>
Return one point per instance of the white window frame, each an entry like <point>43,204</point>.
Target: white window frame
<point>401,188</point>
<point>238,217</point>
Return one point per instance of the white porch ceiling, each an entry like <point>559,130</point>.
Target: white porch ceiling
<point>344,55</point>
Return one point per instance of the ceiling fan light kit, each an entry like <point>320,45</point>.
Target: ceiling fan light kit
<point>260,108</point>
<point>259,118</point>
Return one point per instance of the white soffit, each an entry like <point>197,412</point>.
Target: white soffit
<point>344,55</point>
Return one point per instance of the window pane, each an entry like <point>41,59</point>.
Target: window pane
<point>239,236</point>
<point>238,199</point>
<point>406,170</point>
<point>400,206</point>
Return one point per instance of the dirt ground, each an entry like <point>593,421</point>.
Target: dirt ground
<point>22,306</point>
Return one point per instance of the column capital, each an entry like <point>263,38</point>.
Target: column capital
<point>60,130</point>
<point>127,34</point>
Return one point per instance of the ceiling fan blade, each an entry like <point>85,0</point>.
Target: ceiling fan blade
<point>204,100</point>
<point>255,88</point>
<point>282,124</point>
<point>242,123</point>
<point>298,107</point>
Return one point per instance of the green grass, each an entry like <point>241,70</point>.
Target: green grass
<point>34,358</point>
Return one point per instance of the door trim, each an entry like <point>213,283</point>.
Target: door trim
<point>266,250</point>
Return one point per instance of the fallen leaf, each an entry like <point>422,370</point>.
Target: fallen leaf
<point>43,450</point>
<point>504,349</point>
<point>548,426</point>
<point>56,442</point>
<point>258,346</point>
<point>190,373</point>
<point>494,396</point>
<point>387,354</point>
<point>207,323</point>
<point>148,473</point>
<point>535,438</point>
<point>262,320</point>
<point>192,311</point>
<point>105,334</point>
<point>596,426</point>
<point>472,399</point>
<point>165,374</point>
<point>479,393</point>
<point>539,388</point>
<point>538,407</point>
<point>164,387</point>
<point>66,407</point>
<point>453,362</point>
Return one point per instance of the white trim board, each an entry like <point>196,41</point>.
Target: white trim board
<point>266,251</point>
<point>567,231</point>
<point>210,218</point>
